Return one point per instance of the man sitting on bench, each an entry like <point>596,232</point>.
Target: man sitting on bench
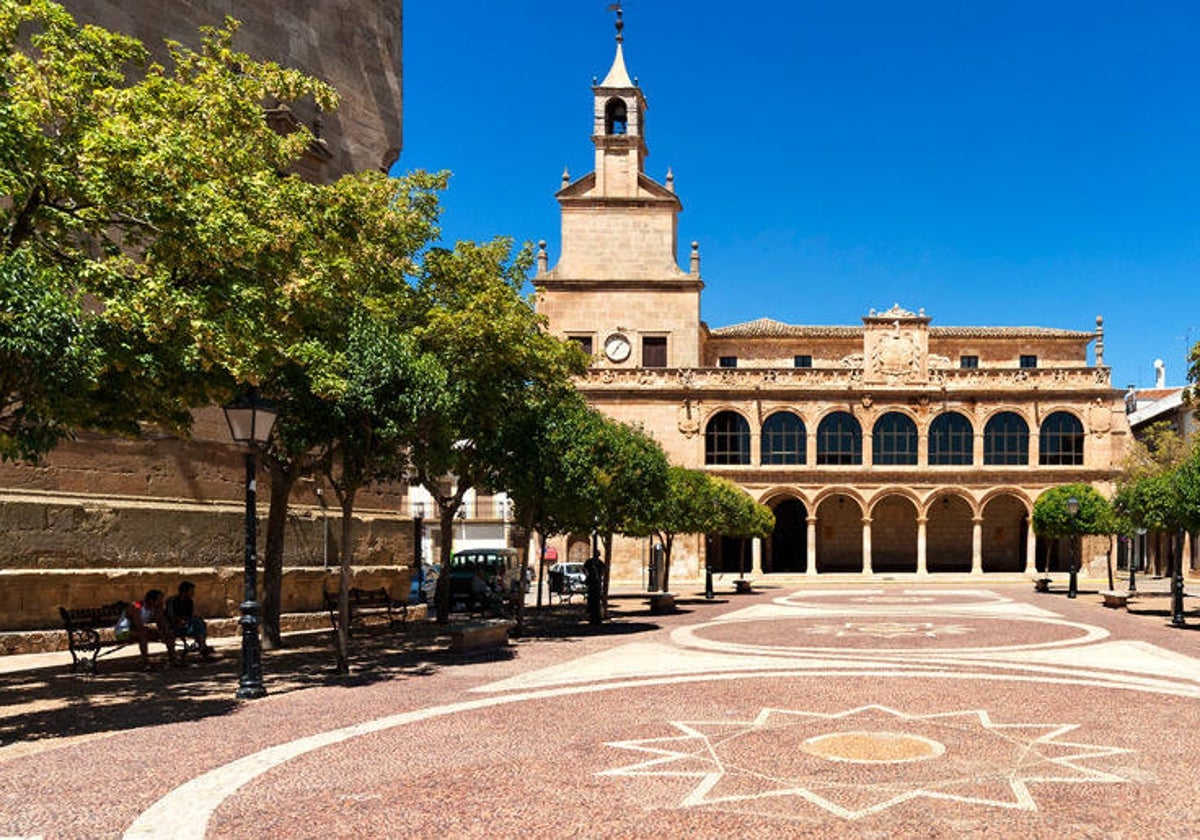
<point>146,621</point>
<point>181,613</point>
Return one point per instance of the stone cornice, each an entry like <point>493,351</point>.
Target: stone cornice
<point>821,382</point>
<point>683,283</point>
<point>770,328</point>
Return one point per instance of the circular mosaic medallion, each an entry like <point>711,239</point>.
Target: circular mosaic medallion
<point>873,747</point>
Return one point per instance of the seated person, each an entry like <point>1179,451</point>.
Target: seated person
<point>181,613</point>
<point>146,621</point>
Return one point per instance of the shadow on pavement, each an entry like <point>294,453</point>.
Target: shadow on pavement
<point>51,702</point>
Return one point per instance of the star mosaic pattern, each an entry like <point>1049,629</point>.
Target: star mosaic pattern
<point>888,629</point>
<point>865,760</point>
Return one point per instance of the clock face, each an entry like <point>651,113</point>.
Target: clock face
<point>617,347</point>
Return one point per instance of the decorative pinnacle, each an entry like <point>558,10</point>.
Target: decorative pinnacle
<point>616,7</point>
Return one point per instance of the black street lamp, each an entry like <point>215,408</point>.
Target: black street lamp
<point>1072,513</point>
<point>250,420</point>
<point>419,548</point>
<point>1177,583</point>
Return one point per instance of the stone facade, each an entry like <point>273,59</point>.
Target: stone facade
<point>894,446</point>
<point>355,46</point>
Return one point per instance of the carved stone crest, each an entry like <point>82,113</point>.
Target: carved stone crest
<point>688,419</point>
<point>895,354</point>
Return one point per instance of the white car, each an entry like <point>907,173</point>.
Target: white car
<point>574,578</point>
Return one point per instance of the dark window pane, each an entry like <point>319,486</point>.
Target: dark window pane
<point>895,440</point>
<point>839,440</point>
<point>1006,440</point>
<point>951,440</point>
<point>783,439</point>
<point>584,342</point>
<point>727,439</point>
<point>1029,361</point>
<point>727,361</point>
<point>1061,440</point>
<point>968,362</point>
<point>654,351</point>
<point>803,361</point>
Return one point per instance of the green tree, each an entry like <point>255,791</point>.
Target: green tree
<point>487,338</point>
<point>1051,517</point>
<point>148,202</point>
<point>358,246</point>
<point>615,483</point>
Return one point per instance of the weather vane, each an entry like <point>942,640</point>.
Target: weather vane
<point>616,7</point>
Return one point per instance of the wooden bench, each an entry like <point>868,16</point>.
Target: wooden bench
<point>662,602</point>
<point>1041,584</point>
<point>367,604</point>
<point>742,586</point>
<point>1115,599</point>
<point>479,635</point>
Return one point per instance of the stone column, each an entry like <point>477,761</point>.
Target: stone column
<point>1035,445</point>
<point>1030,550</point>
<point>922,568</point>
<point>977,450</point>
<point>756,557</point>
<point>976,546</point>
<point>866,545</point>
<point>868,450</point>
<point>810,566</point>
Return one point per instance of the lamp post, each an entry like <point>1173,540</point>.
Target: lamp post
<point>250,420</point>
<point>419,547</point>
<point>1177,583</point>
<point>1072,513</point>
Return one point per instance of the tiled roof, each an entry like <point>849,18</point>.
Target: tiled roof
<point>770,328</point>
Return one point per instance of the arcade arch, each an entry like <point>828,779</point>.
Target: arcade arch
<point>839,534</point>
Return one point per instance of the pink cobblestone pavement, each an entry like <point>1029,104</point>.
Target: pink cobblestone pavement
<point>857,709</point>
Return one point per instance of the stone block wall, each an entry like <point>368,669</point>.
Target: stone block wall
<point>29,600</point>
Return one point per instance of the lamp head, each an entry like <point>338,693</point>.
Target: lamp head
<point>1072,507</point>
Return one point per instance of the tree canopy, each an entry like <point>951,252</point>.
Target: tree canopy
<point>146,211</point>
<point>1051,517</point>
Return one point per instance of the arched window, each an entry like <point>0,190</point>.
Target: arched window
<point>727,439</point>
<point>839,440</point>
<point>895,440</point>
<point>1006,440</point>
<point>951,440</point>
<point>783,439</point>
<point>1061,442</point>
<point>614,116</point>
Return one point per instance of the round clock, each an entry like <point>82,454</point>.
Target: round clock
<point>617,347</point>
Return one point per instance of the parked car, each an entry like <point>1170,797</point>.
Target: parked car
<point>574,578</point>
<point>479,575</point>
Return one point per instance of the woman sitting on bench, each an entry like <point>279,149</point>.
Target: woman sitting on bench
<point>146,621</point>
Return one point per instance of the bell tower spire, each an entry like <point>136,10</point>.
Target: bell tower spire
<point>618,130</point>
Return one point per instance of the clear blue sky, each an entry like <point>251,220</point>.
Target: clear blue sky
<point>1017,163</point>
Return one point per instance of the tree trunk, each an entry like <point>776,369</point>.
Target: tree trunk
<point>441,596</point>
<point>343,635</point>
<point>283,477</point>
<point>608,541</point>
<point>667,543</point>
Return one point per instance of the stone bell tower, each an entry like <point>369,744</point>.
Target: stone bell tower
<point>617,288</point>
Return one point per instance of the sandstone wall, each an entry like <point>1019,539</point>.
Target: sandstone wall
<point>29,600</point>
<point>353,45</point>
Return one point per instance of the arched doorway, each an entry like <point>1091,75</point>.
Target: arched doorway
<point>894,535</point>
<point>727,555</point>
<point>948,535</point>
<point>787,550</point>
<point>839,535</point>
<point>1004,527</point>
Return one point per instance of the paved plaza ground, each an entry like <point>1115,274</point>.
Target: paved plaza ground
<point>851,709</point>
